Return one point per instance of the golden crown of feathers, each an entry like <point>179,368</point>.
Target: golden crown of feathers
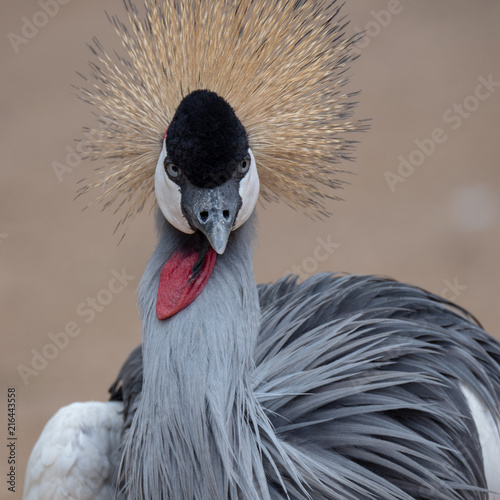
<point>279,63</point>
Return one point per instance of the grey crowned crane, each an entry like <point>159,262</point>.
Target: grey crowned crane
<point>340,387</point>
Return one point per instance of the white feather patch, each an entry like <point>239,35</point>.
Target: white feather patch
<point>249,193</point>
<point>488,429</point>
<point>76,456</point>
<point>168,196</point>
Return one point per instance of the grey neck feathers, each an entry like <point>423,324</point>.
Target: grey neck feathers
<point>195,434</point>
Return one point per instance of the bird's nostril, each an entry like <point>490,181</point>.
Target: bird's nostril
<point>225,214</point>
<point>203,216</point>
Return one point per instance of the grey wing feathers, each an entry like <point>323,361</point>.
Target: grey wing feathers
<point>360,377</point>
<point>364,374</point>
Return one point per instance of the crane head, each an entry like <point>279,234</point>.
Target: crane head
<point>206,178</point>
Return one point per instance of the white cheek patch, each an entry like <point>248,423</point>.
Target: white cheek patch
<point>249,193</point>
<point>168,196</point>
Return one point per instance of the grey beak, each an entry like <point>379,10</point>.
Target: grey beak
<point>217,230</point>
<point>213,211</point>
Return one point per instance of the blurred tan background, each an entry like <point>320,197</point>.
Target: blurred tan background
<point>438,228</point>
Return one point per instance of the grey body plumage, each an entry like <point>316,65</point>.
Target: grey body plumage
<point>348,389</point>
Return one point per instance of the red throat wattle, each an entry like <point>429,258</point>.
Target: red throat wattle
<point>178,285</point>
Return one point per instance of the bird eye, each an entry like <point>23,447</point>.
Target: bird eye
<point>172,170</point>
<point>244,165</point>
